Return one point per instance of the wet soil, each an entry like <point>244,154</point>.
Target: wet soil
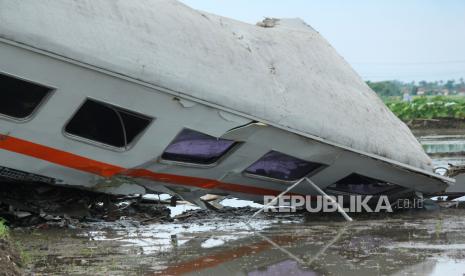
<point>10,261</point>
<point>199,243</point>
<point>437,124</point>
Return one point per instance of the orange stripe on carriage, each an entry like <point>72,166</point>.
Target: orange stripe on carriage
<point>85,164</point>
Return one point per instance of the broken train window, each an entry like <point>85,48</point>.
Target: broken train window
<point>107,124</point>
<point>194,147</point>
<point>20,98</point>
<point>363,185</point>
<point>281,166</point>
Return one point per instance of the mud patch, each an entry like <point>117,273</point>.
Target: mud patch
<point>10,261</point>
<point>414,243</point>
<point>140,236</point>
<point>439,124</point>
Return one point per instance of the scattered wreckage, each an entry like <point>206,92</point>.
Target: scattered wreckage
<point>136,97</point>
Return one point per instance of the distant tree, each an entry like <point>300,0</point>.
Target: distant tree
<point>397,88</point>
<point>450,85</point>
<point>386,88</point>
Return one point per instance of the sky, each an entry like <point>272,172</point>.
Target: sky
<point>407,40</point>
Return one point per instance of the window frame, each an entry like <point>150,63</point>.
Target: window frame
<point>100,144</point>
<point>395,187</point>
<point>230,151</point>
<point>277,180</point>
<point>36,110</point>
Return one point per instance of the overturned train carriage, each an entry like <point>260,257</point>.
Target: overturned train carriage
<point>130,97</point>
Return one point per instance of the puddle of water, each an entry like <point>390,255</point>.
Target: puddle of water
<point>443,144</point>
<point>287,267</point>
<point>448,267</point>
<point>421,243</point>
<point>233,202</point>
<point>179,209</point>
<point>444,149</point>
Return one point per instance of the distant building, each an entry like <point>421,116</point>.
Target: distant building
<point>421,91</point>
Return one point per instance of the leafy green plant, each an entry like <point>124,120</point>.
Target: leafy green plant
<point>429,108</point>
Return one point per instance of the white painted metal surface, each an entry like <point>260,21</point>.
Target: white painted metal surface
<point>199,75</point>
<point>287,76</point>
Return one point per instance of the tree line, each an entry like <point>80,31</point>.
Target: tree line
<point>397,88</point>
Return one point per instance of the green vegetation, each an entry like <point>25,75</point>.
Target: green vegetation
<point>5,234</point>
<point>423,100</point>
<point>4,231</point>
<point>25,256</point>
<point>386,89</point>
<point>428,107</point>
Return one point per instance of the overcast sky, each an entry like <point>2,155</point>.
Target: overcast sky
<point>384,39</point>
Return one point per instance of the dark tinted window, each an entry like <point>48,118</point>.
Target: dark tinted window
<point>191,146</point>
<point>107,124</point>
<point>359,184</point>
<point>281,166</point>
<point>20,98</point>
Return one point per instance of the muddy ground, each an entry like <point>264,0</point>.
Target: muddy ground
<point>203,242</point>
<point>442,125</point>
<point>10,260</point>
<point>150,236</point>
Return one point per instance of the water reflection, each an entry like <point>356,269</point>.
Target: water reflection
<point>443,144</point>
<point>423,243</point>
<point>444,149</point>
<point>287,267</point>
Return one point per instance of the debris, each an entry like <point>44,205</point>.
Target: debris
<point>455,170</point>
<point>226,213</point>
<point>53,206</point>
<point>268,22</point>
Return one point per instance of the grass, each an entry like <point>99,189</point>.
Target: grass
<point>428,107</point>
<point>4,230</point>
<point>26,256</point>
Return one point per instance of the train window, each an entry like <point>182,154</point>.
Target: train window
<point>107,124</point>
<point>194,147</point>
<point>281,166</point>
<point>20,98</point>
<point>359,184</point>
